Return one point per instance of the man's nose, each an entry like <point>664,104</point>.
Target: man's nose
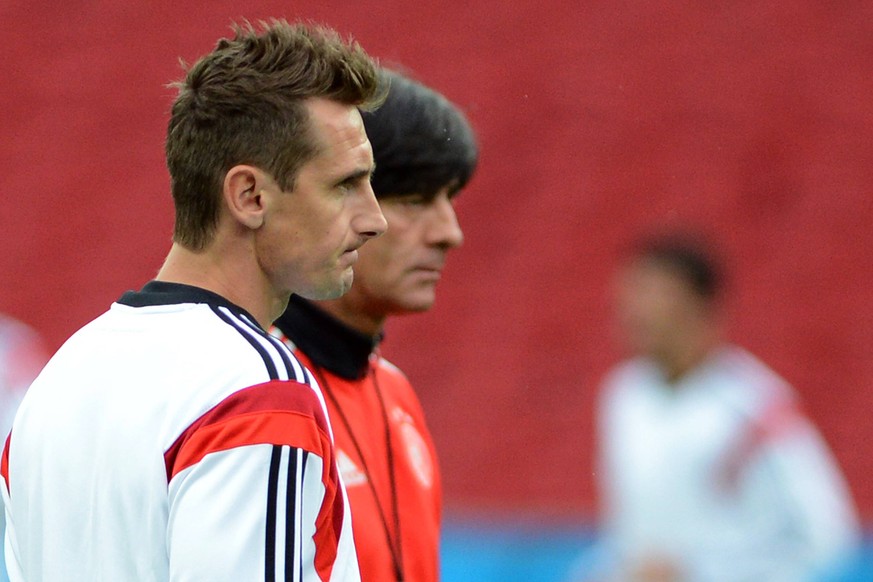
<point>371,222</point>
<point>445,229</point>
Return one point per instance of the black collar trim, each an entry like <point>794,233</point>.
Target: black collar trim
<point>165,293</point>
<point>328,342</point>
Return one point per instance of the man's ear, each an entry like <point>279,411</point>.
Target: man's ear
<point>243,196</point>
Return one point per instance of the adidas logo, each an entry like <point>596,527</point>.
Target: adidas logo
<point>351,473</point>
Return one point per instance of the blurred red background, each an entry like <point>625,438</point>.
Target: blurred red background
<point>597,120</point>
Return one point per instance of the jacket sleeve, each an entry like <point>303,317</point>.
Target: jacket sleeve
<point>254,493</point>
<point>812,492</point>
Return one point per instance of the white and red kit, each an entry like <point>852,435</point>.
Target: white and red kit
<point>386,455</point>
<point>173,439</point>
<point>22,356</point>
<point>720,474</point>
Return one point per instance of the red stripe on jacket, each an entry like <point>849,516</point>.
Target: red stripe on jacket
<point>276,413</point>
<point>4,461</point>
<point>779,419</point>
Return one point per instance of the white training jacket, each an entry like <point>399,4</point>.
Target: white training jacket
<point>172,439</point>
<point>721,474</point>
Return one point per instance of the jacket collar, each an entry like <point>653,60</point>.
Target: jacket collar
<point>325,340</point>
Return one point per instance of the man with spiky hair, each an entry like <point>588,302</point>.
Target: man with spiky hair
<point>173,438</point>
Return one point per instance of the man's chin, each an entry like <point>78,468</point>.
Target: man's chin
<point>418,304</point>
<point>331,290</point>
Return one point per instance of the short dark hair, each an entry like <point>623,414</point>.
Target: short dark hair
<point>244,103</point>
<point>421,141</point>
<point>688,255</point>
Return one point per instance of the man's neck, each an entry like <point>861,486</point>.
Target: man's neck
<point>685,359</point>
<point>215,271</point>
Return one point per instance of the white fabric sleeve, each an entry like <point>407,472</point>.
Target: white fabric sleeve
<point>812,491</point>
<point>248,513</point>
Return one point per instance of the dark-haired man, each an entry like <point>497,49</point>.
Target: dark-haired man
<point>425,153</point>
<point>173,438</point>
<point>710,472</point>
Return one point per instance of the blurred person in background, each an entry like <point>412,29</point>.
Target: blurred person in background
<point>22,356</point>
<point>425,152</point>
<point>709,471</point>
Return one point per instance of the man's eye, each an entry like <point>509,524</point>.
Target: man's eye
<point>414,200</point>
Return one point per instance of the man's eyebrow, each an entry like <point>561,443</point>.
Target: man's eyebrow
<point>357,175</point>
